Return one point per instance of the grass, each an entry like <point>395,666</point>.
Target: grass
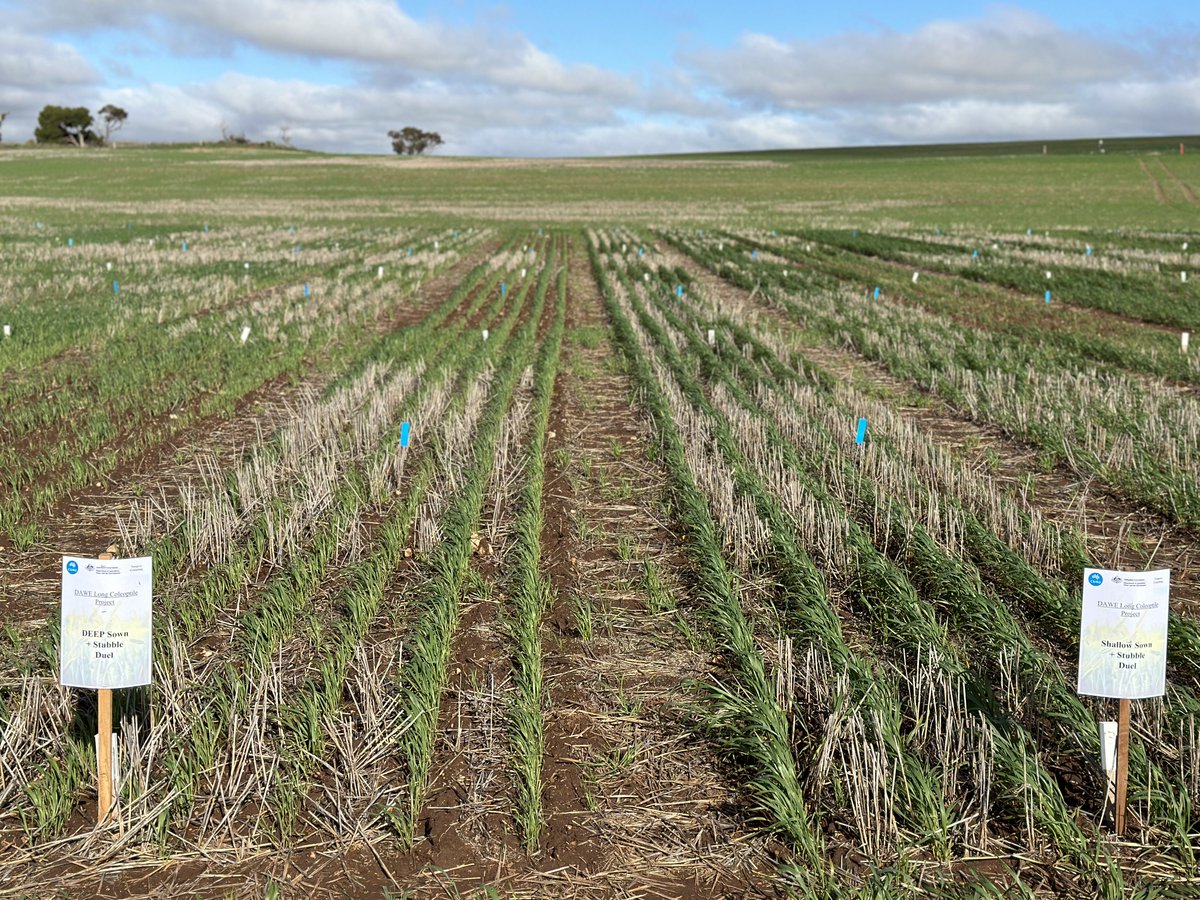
<point>883,635</point>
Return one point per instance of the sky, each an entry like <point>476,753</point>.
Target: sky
<point>542,78</point>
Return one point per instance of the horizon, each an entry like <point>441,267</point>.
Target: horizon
<point>524,81</point>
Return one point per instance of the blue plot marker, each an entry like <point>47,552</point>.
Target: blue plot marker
<point>853,232</point>
<point>1028,232</point>
<point>1089,249</point>
<point>306,291</point>
<point>504,289</point>
<point>1047,296</point>
<point>861,436</point>
<point>937,230</point>
<point>70,242</point>
<point>456,232</point>
<point>116,288</point>
<point>754,254</point>
<point>39,226</point>
<point>183,246</point>
<point>206,229</point>
<point>876,296</point>
<point>410,251</point>
<point>641,251</point>
<point>679,290</point>
<point>404,428</point>
<point>974,254</point>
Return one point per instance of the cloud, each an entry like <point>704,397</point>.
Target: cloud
<point>488,89</point>
<point>1008,54</point>
<point>375,32</point>
<point>31,61</point>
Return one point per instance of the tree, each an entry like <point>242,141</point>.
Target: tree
<point>65,124</point>
<point>114,117</point>
<point>3,116</point>
<point>412,141</point>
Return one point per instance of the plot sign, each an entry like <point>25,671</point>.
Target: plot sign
<point>116,287</point>
<point>1047,296</point>
<point>404,430</point>
<point>8,331</point>
<point>1123,633</point>
<point>245,333</point>
<point>1123,650</point>
<point>861,435</point>
<point>306,290</point>
<point>106,622</point>
<point>876,293</point>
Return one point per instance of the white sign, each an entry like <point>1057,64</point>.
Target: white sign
<point>105,637</point>
<point>1123,633</point>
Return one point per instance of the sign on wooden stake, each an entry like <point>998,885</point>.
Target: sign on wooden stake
<point>1123,650</point>
<point>105,643</point>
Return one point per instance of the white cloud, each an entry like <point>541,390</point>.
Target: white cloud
<point>377,32</point>
<point>1006,75</point>
<point>30,61</point>
<point>1009,53</point>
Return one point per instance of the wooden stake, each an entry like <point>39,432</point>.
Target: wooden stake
<point>1122,764</point>
<point>104,770</point>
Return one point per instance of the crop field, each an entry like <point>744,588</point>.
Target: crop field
<point>636,608</point>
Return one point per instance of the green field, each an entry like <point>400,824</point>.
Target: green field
<point>635,612</point>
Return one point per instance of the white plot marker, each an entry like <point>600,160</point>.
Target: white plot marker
<point>1183,341</point>
<point>245,333</point>
<point>108,267</point>
<point>485,334</point>
<point>1108,757</point>
<point>1048,275</point>
<point>647,277</point>
<point>8,331</point>
<point>712,337</point>
<point>247,266</point>
<point>1183,277</point>
<point>522,273</point>
<point>916,275</point>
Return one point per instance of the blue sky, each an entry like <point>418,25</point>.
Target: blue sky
<point>541,78</point>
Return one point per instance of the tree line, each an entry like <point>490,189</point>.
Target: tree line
<point>75,125</point>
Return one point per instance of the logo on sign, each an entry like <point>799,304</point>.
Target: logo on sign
<point>1095,579</point>
<point>1116,579</point>
<point>72,567</point>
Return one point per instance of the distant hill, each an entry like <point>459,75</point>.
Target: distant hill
<point>1168,145</point>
